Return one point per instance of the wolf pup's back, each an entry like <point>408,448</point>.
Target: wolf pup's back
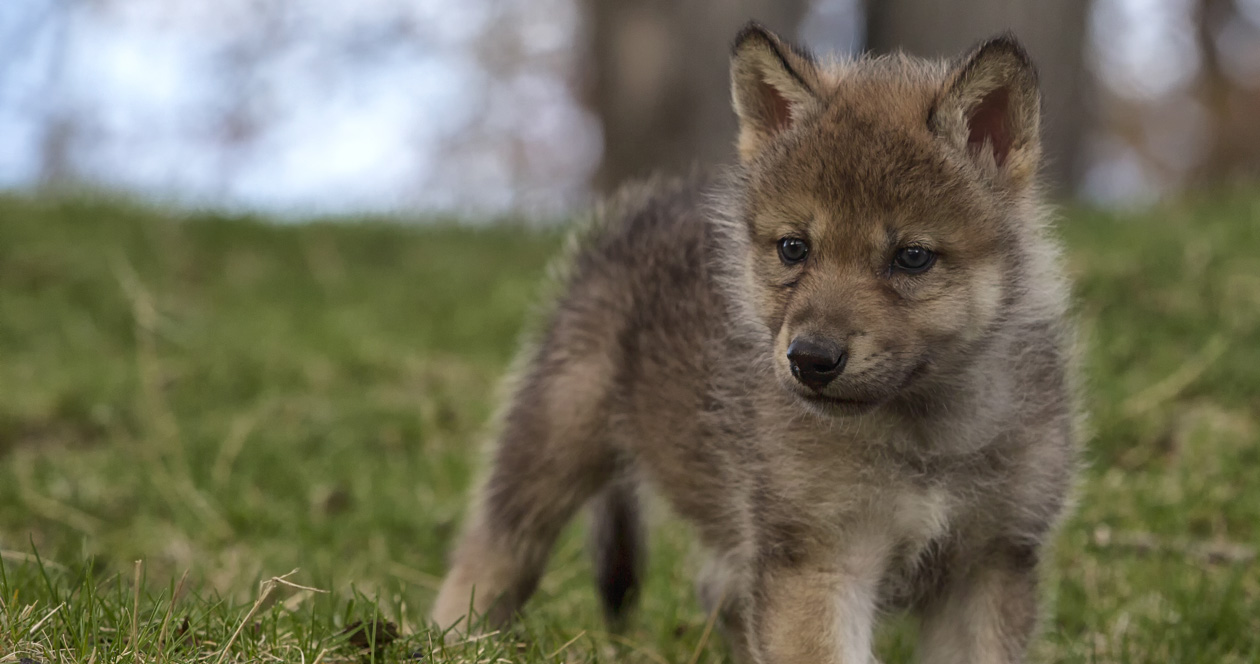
<point>845,360</point>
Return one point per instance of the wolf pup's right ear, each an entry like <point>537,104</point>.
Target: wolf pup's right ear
<point>773,85</point>
<point>990,108</point>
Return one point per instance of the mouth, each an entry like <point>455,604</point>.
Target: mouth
<point>836,404</point>
<point>825,404</point>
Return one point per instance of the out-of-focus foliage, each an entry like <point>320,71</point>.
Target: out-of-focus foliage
<point>299,105</point>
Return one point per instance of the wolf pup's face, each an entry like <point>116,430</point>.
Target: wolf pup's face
<point>881,201</point>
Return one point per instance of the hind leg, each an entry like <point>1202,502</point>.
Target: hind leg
<point>616,541</point>
<point>550,459</point>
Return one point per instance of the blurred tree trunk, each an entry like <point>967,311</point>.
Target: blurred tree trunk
<point>1053,31</point>
<point>1233,143</point>
<point>659,79</point>
<point>61,126</point>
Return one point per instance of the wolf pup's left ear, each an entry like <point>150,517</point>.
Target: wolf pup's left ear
<point>773,85</point>
<point>991,108</point>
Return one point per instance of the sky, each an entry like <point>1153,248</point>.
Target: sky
<point>316,106</point>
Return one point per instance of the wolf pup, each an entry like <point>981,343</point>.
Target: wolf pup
<point>846,362</point>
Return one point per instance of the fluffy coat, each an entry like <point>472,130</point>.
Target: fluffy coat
<point>925,472</point>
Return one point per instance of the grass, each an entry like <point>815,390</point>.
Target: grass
<point>193,406</point>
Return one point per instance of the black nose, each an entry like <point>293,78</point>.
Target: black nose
<point>816,362</point>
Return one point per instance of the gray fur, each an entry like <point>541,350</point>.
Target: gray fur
<point>929,477</point>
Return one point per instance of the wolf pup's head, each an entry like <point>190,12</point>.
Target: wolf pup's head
<point>882,203</point>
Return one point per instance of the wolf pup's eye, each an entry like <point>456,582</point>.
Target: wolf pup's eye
<point>913,259</point>
<point>793,250</point>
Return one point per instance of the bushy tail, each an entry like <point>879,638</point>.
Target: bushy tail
<point>616,539</point>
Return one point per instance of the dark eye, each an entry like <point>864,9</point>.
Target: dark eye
<point>913,259</point>
<point>793,250</point>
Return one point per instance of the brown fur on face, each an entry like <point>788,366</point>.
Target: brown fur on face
<point>929,468</point>
<point>870,162</point>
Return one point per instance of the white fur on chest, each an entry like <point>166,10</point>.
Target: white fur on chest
<point>919,516</point>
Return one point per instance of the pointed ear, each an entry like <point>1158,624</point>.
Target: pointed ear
<point>990,107</point>
<point>773,84</point>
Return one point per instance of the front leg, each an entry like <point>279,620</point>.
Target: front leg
<point>817,612</point>
<point>722,588</point>
<point>986,615</point>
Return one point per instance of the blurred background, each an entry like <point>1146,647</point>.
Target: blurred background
<point>493,107</point>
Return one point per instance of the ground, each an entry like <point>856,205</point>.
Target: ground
<point>204,403</point>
